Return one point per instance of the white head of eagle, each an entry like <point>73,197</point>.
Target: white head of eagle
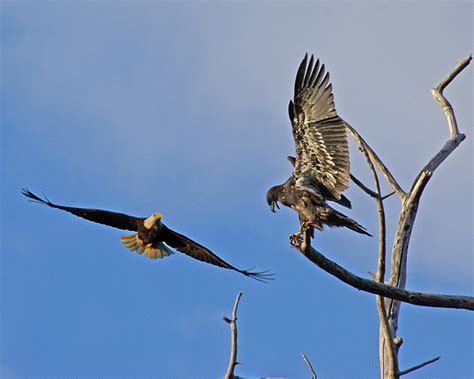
<point>153,221</point>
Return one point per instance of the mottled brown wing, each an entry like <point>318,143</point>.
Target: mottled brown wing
<point>113,219</point>
<point>322,152</point>
<point>194,250</point>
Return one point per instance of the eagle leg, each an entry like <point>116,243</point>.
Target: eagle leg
<point>298,240</point>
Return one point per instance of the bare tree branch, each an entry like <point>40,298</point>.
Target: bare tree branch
<point>233,327</point>
<point>378,162</point>
<point>385,290</point>
<point>367,190</point>
<point>313,373</point>
<point>419,366</point>
<point>363,187</point>
<point>411,201</point>
<point>443,102</point>
<point>388,338</point>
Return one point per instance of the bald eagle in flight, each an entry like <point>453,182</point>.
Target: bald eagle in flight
<point>321,167</point>
<point>151,237</point>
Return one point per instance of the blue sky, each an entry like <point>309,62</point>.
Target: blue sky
<point>181,108</point>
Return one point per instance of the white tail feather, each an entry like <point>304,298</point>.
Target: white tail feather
<point>155,251</point>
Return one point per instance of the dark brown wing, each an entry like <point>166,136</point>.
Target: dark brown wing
<point>322,152</point>
<point>193,249</point>
<point>113,219</point>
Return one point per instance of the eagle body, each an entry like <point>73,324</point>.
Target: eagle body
<point>311,206</point>
<point>151,237</point>
<point>321,168</point>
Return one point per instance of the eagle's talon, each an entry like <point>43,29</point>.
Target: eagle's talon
<point>296,240</point>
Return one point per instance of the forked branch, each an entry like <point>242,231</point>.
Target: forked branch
<point>410,203</point>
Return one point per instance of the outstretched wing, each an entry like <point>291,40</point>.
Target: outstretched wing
<point>322,152</point>
<point>113,219</point>
<point>193,249</point>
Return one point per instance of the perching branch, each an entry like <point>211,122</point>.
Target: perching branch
<point>233,328</point>
<point>313,373</point>
<point>385,290</point>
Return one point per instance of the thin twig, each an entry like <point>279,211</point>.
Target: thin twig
<point>233,327</point>
<point>313,374</point>
<point>378,162</point>
<point>367,190</point>
<point>419,366</point>
<point>381,217</point>
<point>363,187</point>
<point>385,290</point>
<point>388,195</point>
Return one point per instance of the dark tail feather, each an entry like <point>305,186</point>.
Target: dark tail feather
<point>338,219</point>
<point>345,202</point>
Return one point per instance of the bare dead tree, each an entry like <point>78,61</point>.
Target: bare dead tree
<point>391,294</point>
<point>233,329</point>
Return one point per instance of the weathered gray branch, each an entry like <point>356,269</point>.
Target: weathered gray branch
<point>419,366</point>
<point>385,290</point>
<point>411,201</point>
<point>313,373</point>
<point>388,338</point>
<point>233,328</point>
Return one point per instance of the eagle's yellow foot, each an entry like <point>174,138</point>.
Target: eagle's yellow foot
<point>140,242</point>
<point>148,245</point>
<point>296,240</point>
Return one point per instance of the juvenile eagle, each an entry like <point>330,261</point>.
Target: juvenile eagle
<point>151,235</point>
<point>321,167</point>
